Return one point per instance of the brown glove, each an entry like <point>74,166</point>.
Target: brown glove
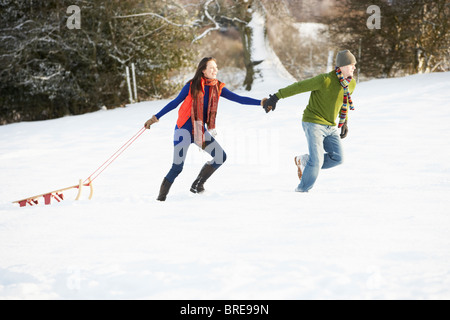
<point>344,130</point>
<point>151,121</point>
<point>263,101</point>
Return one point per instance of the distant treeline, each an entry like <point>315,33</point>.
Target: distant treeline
<point>67,57</point>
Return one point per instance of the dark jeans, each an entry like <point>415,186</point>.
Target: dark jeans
<point>182,141</point>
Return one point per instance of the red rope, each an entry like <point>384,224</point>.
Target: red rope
<point>111,159</point>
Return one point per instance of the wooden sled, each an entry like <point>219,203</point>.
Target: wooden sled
<point>56,194</point>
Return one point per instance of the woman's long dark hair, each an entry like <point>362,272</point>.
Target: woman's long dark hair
<point>196,81</point>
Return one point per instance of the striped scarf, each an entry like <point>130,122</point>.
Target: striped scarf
<point>197,110</point>
<point>347,98</point>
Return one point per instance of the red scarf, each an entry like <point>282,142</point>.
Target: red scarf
<point>193,108</point>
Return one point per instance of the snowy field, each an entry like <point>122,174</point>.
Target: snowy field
<point>376,227</point>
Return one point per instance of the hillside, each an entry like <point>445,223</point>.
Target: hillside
<point>374,228</point>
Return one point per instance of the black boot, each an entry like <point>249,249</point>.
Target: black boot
<point>164,190</point>
<point>205,173</point>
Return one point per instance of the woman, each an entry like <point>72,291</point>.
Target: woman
<point>196,123</point>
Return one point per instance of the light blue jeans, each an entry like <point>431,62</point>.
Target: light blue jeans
<point>325,151</point>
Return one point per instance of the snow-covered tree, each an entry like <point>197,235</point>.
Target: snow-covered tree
<point>413,35</point>
<point>52,65</point>
<point>49,69</point>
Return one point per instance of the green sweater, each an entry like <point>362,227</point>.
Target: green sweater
<point>326,99</point>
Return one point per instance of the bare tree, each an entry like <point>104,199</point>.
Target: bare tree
<point>207,16</point>
<point>239,14</point>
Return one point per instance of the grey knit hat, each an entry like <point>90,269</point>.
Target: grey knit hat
<point>345,58</point>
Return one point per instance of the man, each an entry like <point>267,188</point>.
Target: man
<point>330,96</point>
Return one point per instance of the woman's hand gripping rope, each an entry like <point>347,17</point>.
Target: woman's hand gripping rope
<point>151,121</point>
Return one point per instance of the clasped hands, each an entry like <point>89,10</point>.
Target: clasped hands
<point>269,104</point>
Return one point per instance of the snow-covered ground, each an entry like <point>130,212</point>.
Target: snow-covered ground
<point>376,227</point>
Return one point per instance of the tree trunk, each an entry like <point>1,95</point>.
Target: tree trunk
<point>246,35</point>
<point>245,14</point>
<point>253,10</point>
